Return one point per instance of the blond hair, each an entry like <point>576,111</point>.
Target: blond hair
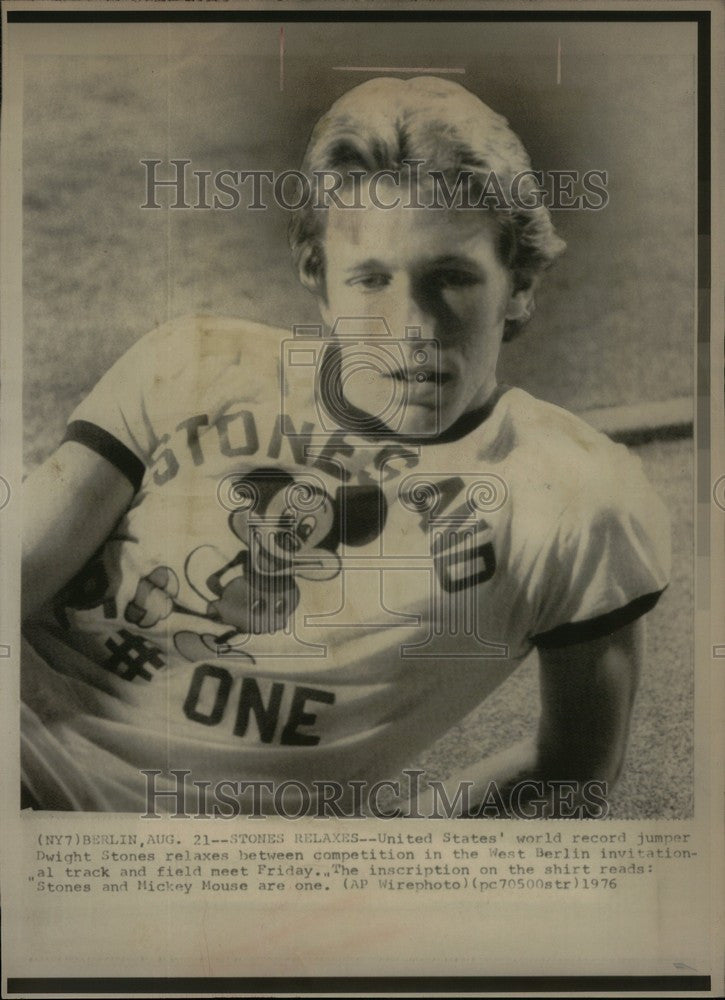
<point>386,123</point>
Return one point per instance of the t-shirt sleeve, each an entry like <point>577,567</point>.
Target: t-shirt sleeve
<point>607,560</point>
<point>132,405</point>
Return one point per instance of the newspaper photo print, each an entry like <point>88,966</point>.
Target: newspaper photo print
<point>357,486</point>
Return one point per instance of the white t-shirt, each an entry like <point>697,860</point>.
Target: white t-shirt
<point>285,600</point>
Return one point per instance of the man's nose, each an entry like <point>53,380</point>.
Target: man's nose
<point>405,316</point>
<point>415,310</point>
<point>417,321</point>
<point>428,308</point>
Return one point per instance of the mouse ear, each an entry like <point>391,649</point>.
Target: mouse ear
<point>360,515</point>
<point>251,494</point>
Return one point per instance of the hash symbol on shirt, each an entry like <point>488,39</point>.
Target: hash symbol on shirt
<point>132,654</point>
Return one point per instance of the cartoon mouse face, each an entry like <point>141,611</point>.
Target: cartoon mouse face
<point>287,529</point>
<point>288,526</point>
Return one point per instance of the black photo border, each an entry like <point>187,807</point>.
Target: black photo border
<point>420,985</point>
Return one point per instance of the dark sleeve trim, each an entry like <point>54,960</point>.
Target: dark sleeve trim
<point>108,447</point>
<point>595,628</point>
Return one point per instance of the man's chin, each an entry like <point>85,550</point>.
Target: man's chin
<point>420,421</point>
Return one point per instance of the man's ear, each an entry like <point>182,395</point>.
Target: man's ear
<point>521,304</point>
<point>310,271</point>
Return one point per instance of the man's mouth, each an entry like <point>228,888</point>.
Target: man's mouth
<point>421,376</point>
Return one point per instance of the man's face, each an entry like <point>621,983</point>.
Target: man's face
<point>435,269</point>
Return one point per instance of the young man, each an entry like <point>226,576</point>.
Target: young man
<point>264,558</point>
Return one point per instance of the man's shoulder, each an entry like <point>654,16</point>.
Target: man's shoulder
<point>542,424</point>
<point>553,437</point>
<point>557,455</point>
<point>586,501</point>
<point>192,353</point>
<point>210,334</point>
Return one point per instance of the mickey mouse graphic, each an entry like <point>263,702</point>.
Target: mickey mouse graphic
<point>288,528</point>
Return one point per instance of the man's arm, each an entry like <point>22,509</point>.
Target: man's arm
<point>71,504</point>
<point>587,694</point>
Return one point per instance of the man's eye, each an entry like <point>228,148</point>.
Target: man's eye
<point>371,281</point>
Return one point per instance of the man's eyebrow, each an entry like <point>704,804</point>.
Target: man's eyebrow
<point>370,263</point>
<point>446,260</point>
<point>456,260</point>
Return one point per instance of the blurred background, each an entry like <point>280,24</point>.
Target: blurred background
<point>615,318</point>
